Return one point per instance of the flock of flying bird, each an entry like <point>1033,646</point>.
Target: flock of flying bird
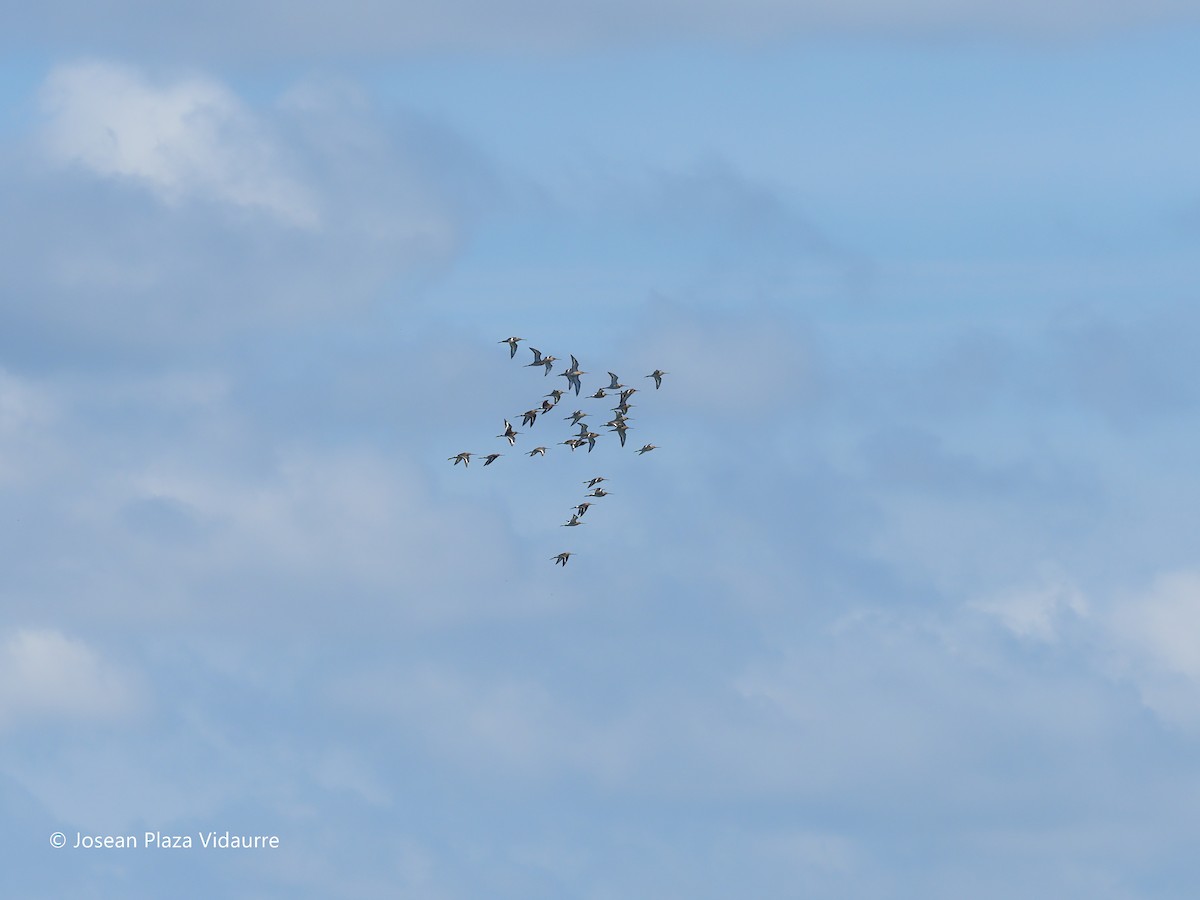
<point>619,424</point>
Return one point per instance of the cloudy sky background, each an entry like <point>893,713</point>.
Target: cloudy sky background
<point>908,603</point>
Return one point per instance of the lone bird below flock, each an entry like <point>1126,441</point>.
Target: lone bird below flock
<point>562,558</point>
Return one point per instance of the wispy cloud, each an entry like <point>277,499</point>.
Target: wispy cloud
<point>1035,611</point>
<point>45,675</point>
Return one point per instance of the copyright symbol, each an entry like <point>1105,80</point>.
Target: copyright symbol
<point>58,839</point>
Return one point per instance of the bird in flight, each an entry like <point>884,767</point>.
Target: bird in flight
<point>619,422</point>
<point>539,360</point>
<point>509,432</point>
<point>572,374</point>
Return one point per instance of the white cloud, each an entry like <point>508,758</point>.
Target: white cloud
<point>189,138</point>
<point>350,514</point>
<point>1036,611</point>
<point>46,675</point>
<point>164,212</point>
<point>1157,632</point>
<point>491,723</point>
<point>21,404</point>
<point>805,850</point>
<point>203,534</point>
<point>27,412</point>
<point>340,768</point>
<point>1166,622</point>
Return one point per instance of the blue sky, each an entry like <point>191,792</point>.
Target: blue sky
<point>907,604</point>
